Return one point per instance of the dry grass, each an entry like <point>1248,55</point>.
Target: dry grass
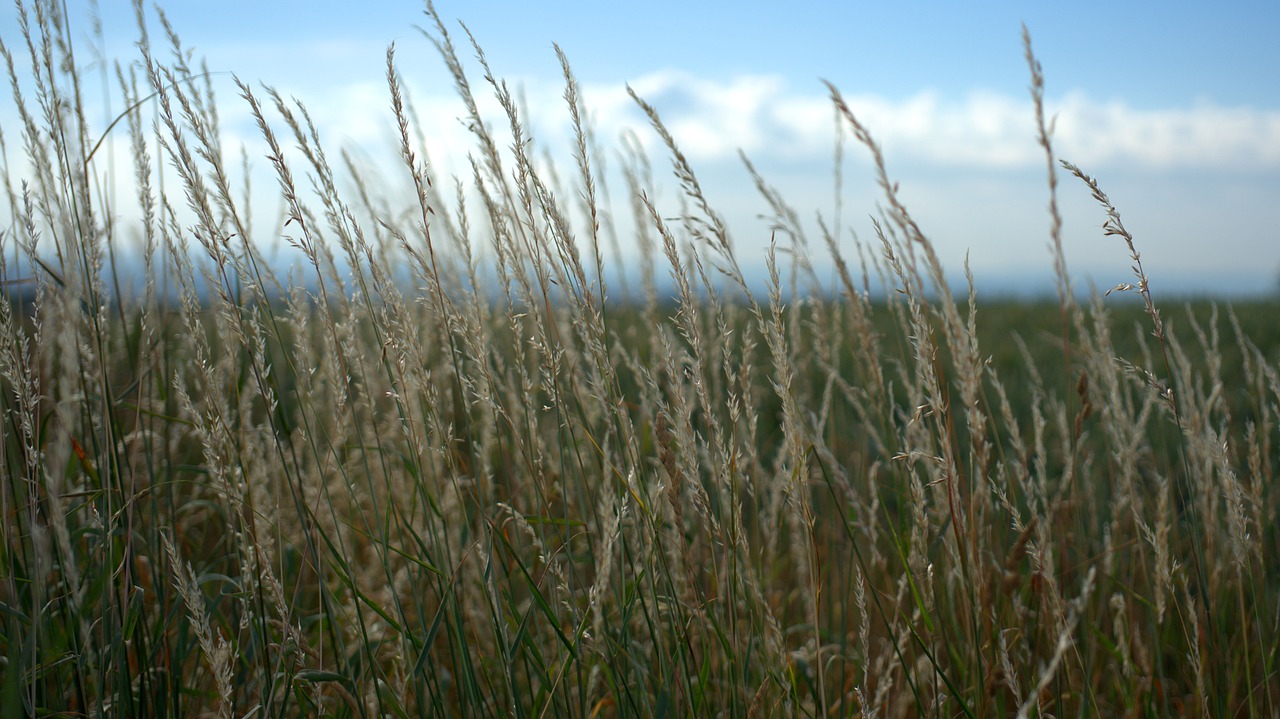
<point>433,471</point>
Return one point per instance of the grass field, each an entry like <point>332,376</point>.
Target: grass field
<point>432,470</point>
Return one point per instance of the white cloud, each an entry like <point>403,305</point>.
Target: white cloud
<point>768,119</point>
<point>963,161</point>
<point>762,115</point>
<point>1204,135</point>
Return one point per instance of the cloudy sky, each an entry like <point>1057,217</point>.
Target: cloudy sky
<point>1173,106</point>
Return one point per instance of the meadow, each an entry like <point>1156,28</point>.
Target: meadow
<point>437,468</point>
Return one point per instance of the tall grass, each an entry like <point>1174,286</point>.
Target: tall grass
<point>433,470</point>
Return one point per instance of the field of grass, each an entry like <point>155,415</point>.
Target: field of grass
<point>433,471</point>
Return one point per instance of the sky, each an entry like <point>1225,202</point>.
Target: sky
<point>1172,106</point>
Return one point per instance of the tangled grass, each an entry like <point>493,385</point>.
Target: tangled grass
<point>433,471</point>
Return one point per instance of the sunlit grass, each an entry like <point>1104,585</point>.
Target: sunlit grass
<point>434,469</point>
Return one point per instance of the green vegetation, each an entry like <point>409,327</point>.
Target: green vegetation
<point>431,471</point>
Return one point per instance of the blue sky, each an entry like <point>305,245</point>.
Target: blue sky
<point>1152,54</point>
<point>1173,106</point>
